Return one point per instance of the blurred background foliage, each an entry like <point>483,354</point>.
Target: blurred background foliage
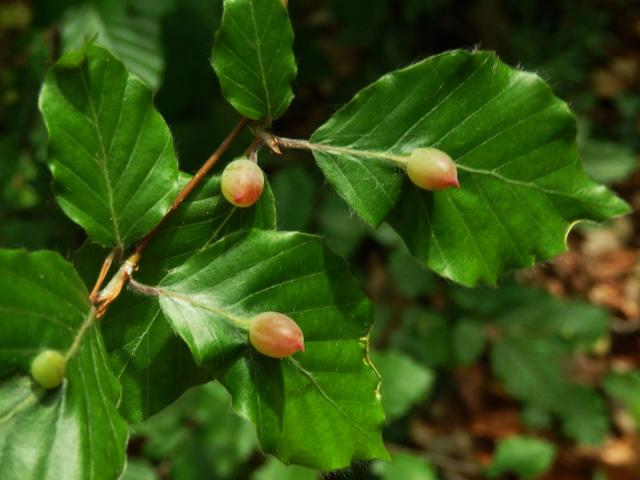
<point>537,378</point>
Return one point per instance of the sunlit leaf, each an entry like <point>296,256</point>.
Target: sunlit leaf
<point>73,431</point>
<point>110,152</point>
<point>253,57</point>
<point>320,408</point>
<point>514,145</point>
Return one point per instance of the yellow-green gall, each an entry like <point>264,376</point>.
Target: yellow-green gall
<point>47,369</point>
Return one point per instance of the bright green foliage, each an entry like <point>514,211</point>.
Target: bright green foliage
<point>525,456</point>
<point>139,470</point>
<point>405,383</point>
<point>74,430</point>
<point>625,388</point>
<point>514,146</point>
<point>135,39</point>
<point>319,408</point>
<point>110,151</point>
<point>406,467</point>
<point>154,366</point>
<point>253,57</point>
<point>185,317</point>
<point>276,470</point>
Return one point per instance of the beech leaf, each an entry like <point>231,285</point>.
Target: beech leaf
<point>522,186</point>
<point>73,431</point>
<point>111,154</point>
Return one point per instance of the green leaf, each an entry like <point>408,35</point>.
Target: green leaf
<point>153,364</point>
<point>200,436</point>
<point>468,339</point>
<point>321,408</point>
<point>530,370</point>
<point>404,382</point>
<point>274,469</point>
<point>410,276</point>
<point>427,337</point>
<point>135,39</point>
<point>253,57</point>
<point>342,231</point>
<point>526,311</point>
<point>406,467</point>
<point>111,154</point>
<point>514,146</point>
<point>73,431</point>
<point>295,192</point>
<point>525,456</point>
<point>538,315</point>
<point>584,415</point>
<point>625,387</point>
<point>139,470</point>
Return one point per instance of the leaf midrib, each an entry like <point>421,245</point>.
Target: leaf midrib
<point>102,164</point>
<point>260,61</point>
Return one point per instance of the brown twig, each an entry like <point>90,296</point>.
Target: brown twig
<point>252,150</point>
<point>103,298</point>
<point>193,183</point>
<point>106,265</point>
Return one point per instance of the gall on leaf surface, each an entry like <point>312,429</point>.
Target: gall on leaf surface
<point>110,152</point>
<point>73,431</point>
<point>320,408</point>
<point>513,141</point>
<point>153,364</point>
<point>253,57</point>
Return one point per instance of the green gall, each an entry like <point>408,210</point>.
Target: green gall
<point>275,335</point>
<point>242,182</point>
<point>432,169</point>
<point>47,369</point>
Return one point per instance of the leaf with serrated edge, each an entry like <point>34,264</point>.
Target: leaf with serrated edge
<point>514,145</point>
<point>111,154</point>
<point>154,365</point>
<point>253,57</point>
<point>321,408</point>
<point>73,431</point>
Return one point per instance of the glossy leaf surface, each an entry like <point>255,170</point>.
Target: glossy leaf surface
<point>253,57</point>
<point>320,408</point>
<point>154,365</point>
<point>73,431</point>
<point>110,152</point>
<point>514,145</point>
